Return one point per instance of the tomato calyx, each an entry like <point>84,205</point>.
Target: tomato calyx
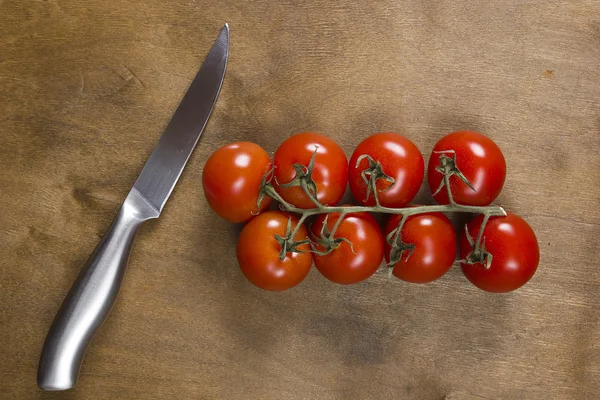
<point>287,242</point>
<point>303,179</point>
<point>326,239</point>
<point>448,168</point>
<point>373,172</point>
<point>478,255</point>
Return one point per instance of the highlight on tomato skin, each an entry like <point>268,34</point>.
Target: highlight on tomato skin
<point>514,249</point>
<point>330,173</point>
<point>258,252</point>
<point>399,158</point>
<point>480,161</point>
<point>434,240</point>
<point>349,264</point>
<point>231,179</point>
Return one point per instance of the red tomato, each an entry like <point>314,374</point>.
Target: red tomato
<point>342,265</point>
<point>434,239</point>
<point>481,162</point>
<point>400,159</point>
<point>231,180</point>
<point>330,172</point>
<point>514,249</point>
<point>258,252</point>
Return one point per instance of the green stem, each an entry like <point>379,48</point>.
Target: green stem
<point>398,234</point>
<point>406,211</point>
<point>375,194</point>
<point>298,225</point>
<point>486,217</point>
<point>312,198</point>
<point>337,223</point>
<point>447,184</point>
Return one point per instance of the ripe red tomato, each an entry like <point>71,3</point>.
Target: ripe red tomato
<point>514,249</point>
<point>231,180</point>
<point>434,239</point>
<point>481,162</point>
<point>400,159</point>
<point>343,265</point>
<point>330,172</point>
<point>258,252</point>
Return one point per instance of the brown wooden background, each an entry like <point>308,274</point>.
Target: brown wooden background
<point>86,88</point>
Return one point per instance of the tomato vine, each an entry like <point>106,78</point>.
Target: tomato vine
<point>374,172</point>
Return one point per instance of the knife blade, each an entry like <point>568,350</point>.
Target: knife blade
<point>90,299</point>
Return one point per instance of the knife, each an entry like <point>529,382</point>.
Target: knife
<point>93,294</point>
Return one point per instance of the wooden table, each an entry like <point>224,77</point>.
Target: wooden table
<point>86,88</point>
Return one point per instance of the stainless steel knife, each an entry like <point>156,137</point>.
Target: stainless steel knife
<point>93,294</point>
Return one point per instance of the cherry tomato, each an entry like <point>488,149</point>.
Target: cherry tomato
<point>481,162</point>
<point>330,172</point>
<point>343,265</point>
<point>258,252</point>
<point>400,159</point>
<point>434,241</point>
<point>231,180</point>
<point>514,249</point>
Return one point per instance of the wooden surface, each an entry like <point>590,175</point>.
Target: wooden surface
<point>86,88</point>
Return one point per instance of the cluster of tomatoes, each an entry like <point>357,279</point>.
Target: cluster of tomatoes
<point>309,173</point>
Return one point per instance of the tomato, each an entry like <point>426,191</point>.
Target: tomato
<point>434,241</point>
<point>330,172</point>
<point>231,180</point>
<point>400,159</point>
<point>514,249</point>
<point>481,162</point>
<point>343,265</point>
<point>258,252</point>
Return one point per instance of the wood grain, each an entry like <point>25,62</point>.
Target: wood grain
<point>86,88</point>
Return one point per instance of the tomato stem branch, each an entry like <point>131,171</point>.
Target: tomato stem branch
<point>486,217</point>
<point>447,184</point>
<point>309,194</point>
<point>337,223</point>
<point>298,225</point>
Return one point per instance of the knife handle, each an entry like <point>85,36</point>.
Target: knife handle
<point>91,297</point>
